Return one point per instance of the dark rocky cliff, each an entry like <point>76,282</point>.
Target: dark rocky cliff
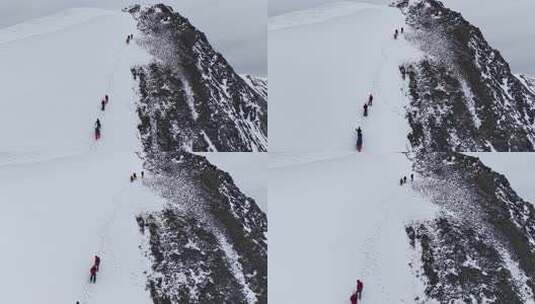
<point>190,93</point>
<point>464,96</point>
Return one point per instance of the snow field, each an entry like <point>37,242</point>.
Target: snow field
<point>323,64</point>
<point>65,197</point>
<point>334,220</point>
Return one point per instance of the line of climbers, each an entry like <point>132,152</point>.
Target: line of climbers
<point>398,32</point>
<point>98,125</point>
<point>403,180</point>
<point>105,100</point>
<point>133,177</point>
<point>368,104</point>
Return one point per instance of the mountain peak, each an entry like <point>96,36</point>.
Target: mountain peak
<point>206,105</point>
<point>467,83</point>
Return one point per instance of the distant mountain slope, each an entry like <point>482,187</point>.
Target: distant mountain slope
<point>209,242</point>
<point>464,96</point>
<point>260,85</point>
<point>192,90</point>
<point>482,247</point>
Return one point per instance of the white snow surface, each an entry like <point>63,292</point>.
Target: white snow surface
<point>64,196</point>
<point>334,219</point>
<point>323,64</point>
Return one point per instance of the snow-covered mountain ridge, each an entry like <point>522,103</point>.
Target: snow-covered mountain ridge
<point>209,243</point>
<point>482,244</point>
<point>463,94</point>
<point>71,195</point>
<point>192,89</point>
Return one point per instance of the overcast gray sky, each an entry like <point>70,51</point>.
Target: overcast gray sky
<point>236,28</point>
<point>508,25</point>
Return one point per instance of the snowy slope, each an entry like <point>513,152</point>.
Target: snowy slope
<point>65,197</point>
<point>323,64</point>
<point>337,218</point>
<point>69,197</point>
<point>461,232</point>
<point>459,93</point>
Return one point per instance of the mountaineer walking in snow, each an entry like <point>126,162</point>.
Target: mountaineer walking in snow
<point>107,98</point>
<point>103,105</point>
<point>97,129</point>
<point>354,298</point>
<point>97,133</point>
<point>97,262</point>
<point>359,139</point>
<point>412,177</point>
<point>403,71</point>
<point>357,295</point>
<point>370,100</point>
<point>93,274</point>
<point>360,287</point>
<point>396,33</point>
<point>365,110</point>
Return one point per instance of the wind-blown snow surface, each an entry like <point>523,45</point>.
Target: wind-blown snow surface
<point>335,218</point>
<point>64,197</point>
<point>323,64</point>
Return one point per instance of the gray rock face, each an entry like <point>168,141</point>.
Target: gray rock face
<point>259,84</point>
<point>464,96</point>
<point>482,247</point>
<point>190,93</point>
<point>463,270</point>
<point>209,244</point>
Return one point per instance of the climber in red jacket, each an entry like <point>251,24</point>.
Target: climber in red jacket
<point>93,276</point>
<point>360,287</point>
<point>354,298</point>
<point>97,262</point>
